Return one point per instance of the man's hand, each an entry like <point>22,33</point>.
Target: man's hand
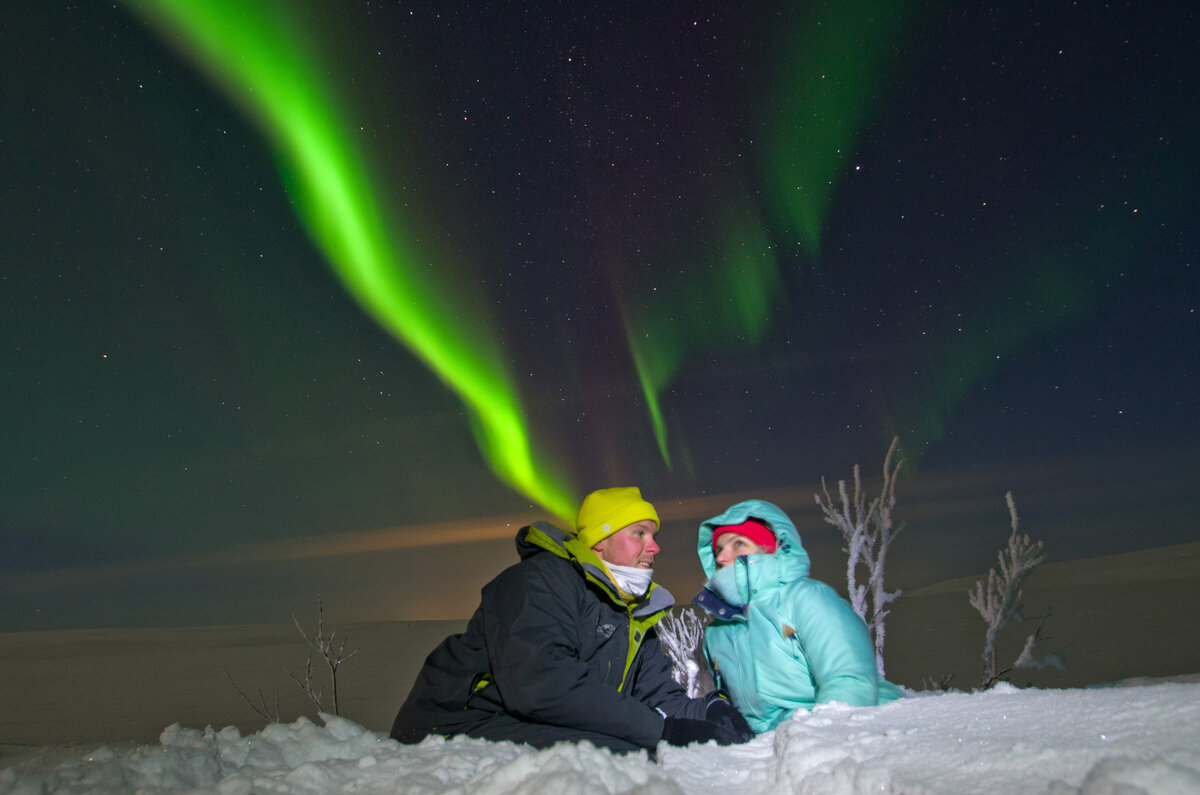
<point>725,715</point>
<point>685,731</point>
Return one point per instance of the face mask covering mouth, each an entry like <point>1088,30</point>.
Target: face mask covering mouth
<point>631,579</point>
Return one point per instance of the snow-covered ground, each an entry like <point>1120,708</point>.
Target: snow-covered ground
<point>1126,740</point>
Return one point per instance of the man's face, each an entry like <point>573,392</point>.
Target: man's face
<point>632,545</point>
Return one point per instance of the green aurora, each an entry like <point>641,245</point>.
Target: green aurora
<point>259,54</point>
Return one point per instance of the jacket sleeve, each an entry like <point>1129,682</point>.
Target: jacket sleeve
<point>532,627</point>
<point>838,648</point>
<point>654,684</point>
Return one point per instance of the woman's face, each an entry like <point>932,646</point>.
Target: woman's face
<point>733,545</point>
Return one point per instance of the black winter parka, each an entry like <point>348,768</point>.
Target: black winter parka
<point>552,653</point>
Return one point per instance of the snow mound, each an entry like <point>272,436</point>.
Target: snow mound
<point>1095,742</point>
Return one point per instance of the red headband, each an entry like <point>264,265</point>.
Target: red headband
<point>752,529</point>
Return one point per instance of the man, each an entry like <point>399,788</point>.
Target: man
<point>563,647</point>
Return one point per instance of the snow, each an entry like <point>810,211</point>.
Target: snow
<point>1101,741</point>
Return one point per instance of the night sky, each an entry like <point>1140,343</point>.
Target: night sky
<point>715,252</point>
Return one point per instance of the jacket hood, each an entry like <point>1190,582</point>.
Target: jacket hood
<point>790,552</point>
<point>545,537</point>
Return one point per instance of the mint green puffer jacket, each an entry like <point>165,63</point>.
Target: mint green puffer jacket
<point>780,641</point>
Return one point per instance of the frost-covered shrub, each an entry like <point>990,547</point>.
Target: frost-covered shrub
<point>999,601</point>
<point>681,633</point>
<point>868,533</point>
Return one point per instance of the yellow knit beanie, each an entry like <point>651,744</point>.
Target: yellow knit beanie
<point>606,511</point>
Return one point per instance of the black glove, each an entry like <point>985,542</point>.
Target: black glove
<point>725,715</point>
<point>685,731</point>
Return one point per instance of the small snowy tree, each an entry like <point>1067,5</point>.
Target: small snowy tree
<point>323,645</point>
<point>999,601</point>
<point>868,533</point>
<point>682,634</point>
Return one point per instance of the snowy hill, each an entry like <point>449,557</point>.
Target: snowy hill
<point>1128,740</point>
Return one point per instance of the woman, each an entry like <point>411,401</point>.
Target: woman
<point>779,641</point>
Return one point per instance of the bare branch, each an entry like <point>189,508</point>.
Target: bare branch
<point>261,709</point>
<point>322,644</point>
<point>306,684</point>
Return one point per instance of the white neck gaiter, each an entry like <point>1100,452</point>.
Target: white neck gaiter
<point>633,580</point>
